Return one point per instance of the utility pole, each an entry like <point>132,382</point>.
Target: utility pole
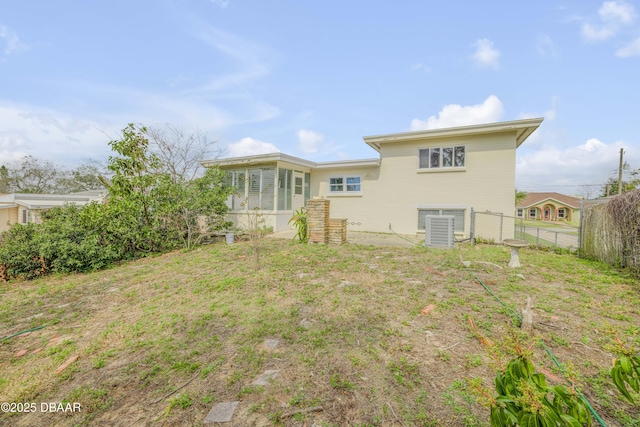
<point>620,173</point>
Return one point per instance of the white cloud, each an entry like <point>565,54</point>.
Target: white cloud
<point>486,55</point>
<point>550,114</point>
<point>590,163</point>
<point>592,33</point>
<point>309,141</point>
<point>613,14</point>
<point>617,11</point>
<point>249,147</point>
<point>632,49</point>
<point>11,40</point>
<point>52,135</point>
<point>456,115</point>
<point>546,47</point>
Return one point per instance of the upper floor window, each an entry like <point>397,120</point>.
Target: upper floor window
<point>345,184</point>
<point>445,157</point>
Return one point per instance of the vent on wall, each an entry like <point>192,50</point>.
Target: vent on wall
<point>439,230</point>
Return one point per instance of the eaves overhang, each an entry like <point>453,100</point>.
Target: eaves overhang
<point>522,128</point>
<point>258,159</point>
<point>348,164</point>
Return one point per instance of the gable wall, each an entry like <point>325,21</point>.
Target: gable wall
<point>393,192</point>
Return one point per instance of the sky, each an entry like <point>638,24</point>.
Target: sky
<point>310,78</point>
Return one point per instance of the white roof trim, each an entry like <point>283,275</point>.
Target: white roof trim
<point>348,163</point>
<point>523,129</point>
<point>258,159</point>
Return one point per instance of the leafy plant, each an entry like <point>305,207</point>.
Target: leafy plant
<point>525,399</point>
<point>626,370</point>
<point>299,220</point>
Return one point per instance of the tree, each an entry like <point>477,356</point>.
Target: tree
<point>612,184</point>
<point>180,152</point>
<point>85,177</point>
<point>5,186</point>
<point>520,196</point>
<point>33,175</point>
<point>162,207</point>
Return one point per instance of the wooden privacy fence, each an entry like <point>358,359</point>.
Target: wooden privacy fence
<point>611,231</point>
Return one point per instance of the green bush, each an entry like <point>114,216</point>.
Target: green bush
<point>19,251</point>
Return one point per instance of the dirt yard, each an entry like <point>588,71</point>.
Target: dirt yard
<point>360,335</point>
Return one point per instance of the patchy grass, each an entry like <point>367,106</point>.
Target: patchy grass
<point>163,339</point>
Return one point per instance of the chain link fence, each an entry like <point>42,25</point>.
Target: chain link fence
<point>493,227</point>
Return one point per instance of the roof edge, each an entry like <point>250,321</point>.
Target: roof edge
<point>523,128</point>
<point>256,159</point>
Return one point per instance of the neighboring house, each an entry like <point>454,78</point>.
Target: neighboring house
<point>549,207</point>
<point>433,172</point>
<point>23,208</point>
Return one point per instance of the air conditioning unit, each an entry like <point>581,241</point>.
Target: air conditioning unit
<point>439,230</point>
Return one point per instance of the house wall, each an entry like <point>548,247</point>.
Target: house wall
<point>392,193</point>
<point>8,217</point>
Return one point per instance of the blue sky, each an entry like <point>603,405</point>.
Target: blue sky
<point>312,78</point>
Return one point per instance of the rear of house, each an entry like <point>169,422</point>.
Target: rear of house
<point>416,174</point>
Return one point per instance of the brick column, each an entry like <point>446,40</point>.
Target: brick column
<point>338,231</point>
<point>318,220</point>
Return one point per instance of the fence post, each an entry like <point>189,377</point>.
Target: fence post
<point>580,228</point>
<point>556,243</point>
<point>472,227</point>
<point>501,225</point>
<point>522,229</point>
<point>537,236</point>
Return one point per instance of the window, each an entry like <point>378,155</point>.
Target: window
<point>235,179</point>
<point>345,184</point>
<point>298,185</point>
<point>261,185</point>
<point>24,216</point>
<point>562,213</point>
<point>458,220</point>
<point>520,212</point>
<point>532,213</point>
<point>307,187</point>
<point>284,189</point>
<point>447,157</point>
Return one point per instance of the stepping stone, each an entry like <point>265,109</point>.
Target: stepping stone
<point>271,344</point>
<point>345,283</point>
<point>66,364</point>
<point>221,413</point>
<point>266,377</point>
<point>306,323</point>
<point>21,353</point>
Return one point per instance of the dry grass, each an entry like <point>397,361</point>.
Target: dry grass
<point>369,356</point>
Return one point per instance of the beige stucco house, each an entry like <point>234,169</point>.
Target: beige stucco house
<point>414,175</point>
<point>549,207</point>
<point>24,208</point>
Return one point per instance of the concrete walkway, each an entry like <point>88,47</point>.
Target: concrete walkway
<point>365,238</point>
